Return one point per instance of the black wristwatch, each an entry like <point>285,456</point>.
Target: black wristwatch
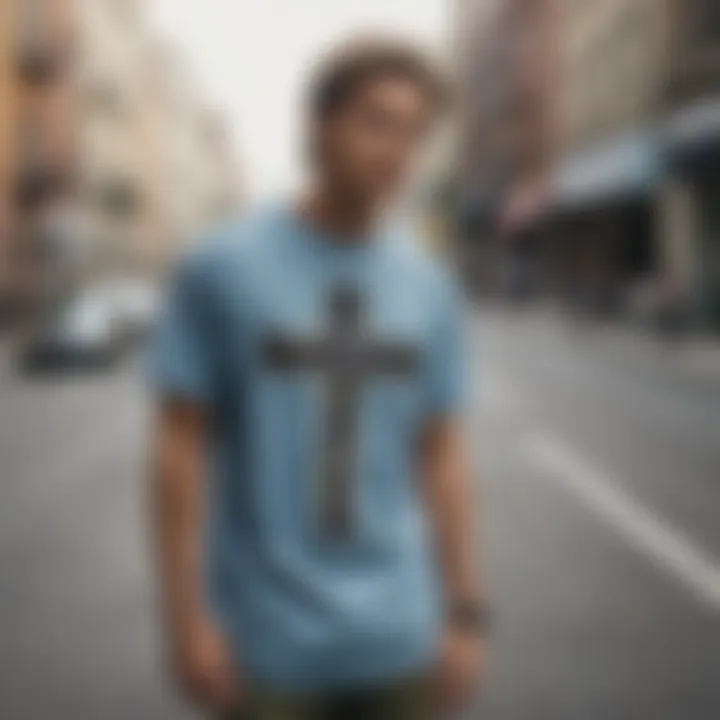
<point>469,616</point>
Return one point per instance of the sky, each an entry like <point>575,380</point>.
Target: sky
<point>251,57</point>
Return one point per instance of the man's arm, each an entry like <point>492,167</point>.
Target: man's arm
<point>199,656</point>
<point>451,507</point>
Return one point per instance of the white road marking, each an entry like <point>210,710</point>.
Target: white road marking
<point>663,545</point>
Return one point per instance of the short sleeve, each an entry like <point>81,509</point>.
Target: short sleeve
<point>445,370</point>
<point>181,361</point>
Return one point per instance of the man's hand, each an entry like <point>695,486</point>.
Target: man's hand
<point>204,669</point>
<point>461,667</point>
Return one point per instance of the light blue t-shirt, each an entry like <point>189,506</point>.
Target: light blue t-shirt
<point>320,359</point>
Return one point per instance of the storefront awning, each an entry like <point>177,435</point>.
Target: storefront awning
<point>478,207</point>
<point>692,135</point>
<point>622,170</point>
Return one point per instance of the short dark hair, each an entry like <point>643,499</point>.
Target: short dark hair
<point>350,66</point>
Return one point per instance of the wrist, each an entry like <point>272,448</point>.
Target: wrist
<point>186,620</point>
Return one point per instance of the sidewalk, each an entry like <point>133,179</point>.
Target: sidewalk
<point>6,356</point>
<point>694,358</point>
<point>701,358</point>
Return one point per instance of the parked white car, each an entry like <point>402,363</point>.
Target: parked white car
<point>136,305</point>
<point>84,334</point>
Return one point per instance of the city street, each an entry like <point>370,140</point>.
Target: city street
<point>599,495</point>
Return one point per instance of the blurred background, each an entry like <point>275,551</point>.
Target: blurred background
<point>576,192</point>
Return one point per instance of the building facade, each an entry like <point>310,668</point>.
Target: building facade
<point>609,113</point>
<point>689,198</point>
<point>637,165</point>
<point>611,58</point>
<point>197,162</point>
<point>41,139</point>
<point>110,152</point>
<point>106,160</point>
<point>8,101</point>
<point>506,78</point>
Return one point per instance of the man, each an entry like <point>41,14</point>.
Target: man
<point>309,373</point>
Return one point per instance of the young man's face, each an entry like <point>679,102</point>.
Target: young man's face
<point>367,147</point>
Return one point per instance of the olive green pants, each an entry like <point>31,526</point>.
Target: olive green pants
<point>408,700</point>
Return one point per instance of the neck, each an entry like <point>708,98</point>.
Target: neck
<point>336,213</point>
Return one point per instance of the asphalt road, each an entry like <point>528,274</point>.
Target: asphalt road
<point>599,493</point>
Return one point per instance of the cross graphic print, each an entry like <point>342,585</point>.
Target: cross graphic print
<point>347,357</point>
